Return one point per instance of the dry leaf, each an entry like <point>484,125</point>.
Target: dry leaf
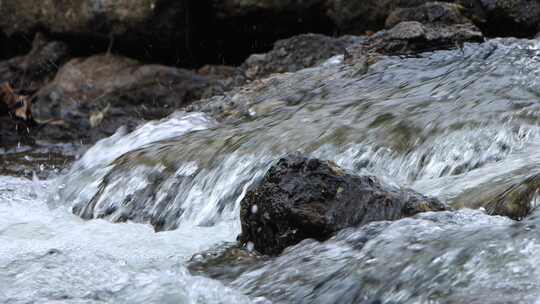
<point>17,105</point>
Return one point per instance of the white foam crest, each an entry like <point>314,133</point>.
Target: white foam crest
<point>108,149</point>
<point>49,255</point>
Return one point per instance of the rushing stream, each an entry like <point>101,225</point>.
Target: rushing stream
<point>461,125</point>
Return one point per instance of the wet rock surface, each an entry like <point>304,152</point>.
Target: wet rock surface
<point>41,161</point>
<point>293,54</point>
<point>302,198</point>
<point>413,37</point>
<point>518,201</point>
<point>516,198</point>
<point>224,262</point>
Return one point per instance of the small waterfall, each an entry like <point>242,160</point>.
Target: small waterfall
<point>416,122</point>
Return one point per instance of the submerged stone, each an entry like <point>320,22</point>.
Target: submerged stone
<point>225,262</point>
<point>302,198</point>
<point>513,199</point>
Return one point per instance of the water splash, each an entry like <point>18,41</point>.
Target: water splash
<point>415,122</point>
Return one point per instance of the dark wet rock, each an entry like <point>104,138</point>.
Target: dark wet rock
<point>224,262</point>
<point>293,54</point>
<point>430,12</point>
<point>31,71</point>
<point>302,198</point>
<point>412,37</point>
<point>91,97</point>
<point>518,201</point>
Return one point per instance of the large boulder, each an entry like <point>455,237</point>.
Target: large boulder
<point>302,198</point>
<point>96,95</point>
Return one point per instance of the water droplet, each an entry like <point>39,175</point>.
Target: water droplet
<point>250,246</point>
<point>254,209</point>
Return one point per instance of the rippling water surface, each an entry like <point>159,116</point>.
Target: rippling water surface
<point>461,125</point>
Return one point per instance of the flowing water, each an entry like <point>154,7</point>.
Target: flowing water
<point>461,125</point>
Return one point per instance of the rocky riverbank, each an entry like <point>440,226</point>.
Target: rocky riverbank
<point>93,67</point>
